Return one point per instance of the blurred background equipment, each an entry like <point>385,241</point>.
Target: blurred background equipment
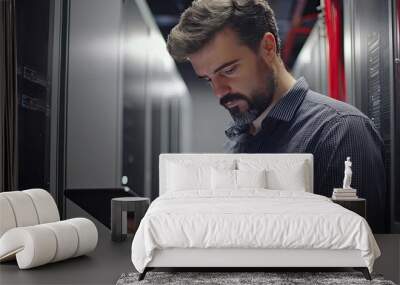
<point>97,96</point>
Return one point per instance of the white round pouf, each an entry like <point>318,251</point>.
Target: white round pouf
<point>7,218</point>
<point>33,246</point>
<point>45,205</point>
<point>23,208</point>
<point>87,234</point>
<point>67,240</point>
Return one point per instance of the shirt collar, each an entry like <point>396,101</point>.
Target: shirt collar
<point>257,123</point>
<point>286,107</point>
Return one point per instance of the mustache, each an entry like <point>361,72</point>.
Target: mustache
<point>230,97</point>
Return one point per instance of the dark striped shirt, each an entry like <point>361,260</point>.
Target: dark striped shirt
<point>304,121</point>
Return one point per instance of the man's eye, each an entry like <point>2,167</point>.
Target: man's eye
<point>208,80</point>
<point>230,70</point>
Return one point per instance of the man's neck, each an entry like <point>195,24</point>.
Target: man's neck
<point>285,82</point>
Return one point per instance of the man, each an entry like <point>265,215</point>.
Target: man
<point>234,45</point>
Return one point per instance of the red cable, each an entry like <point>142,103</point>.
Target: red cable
<point>336,74</point>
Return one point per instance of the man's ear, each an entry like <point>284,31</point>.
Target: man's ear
<point>268,47</point>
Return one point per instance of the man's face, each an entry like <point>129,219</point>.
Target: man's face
<point>240,78</point>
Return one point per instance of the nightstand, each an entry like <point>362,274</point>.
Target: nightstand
<point>357,205</point>
<point>126,214</point>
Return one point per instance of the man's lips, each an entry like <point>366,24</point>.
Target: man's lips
<point>234,103</point>
<point>231,104</point>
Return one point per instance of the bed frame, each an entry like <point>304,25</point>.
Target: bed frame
<point>246,257</point>
<point>256,258</point>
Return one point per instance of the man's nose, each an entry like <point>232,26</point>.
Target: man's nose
<point>220,88</point>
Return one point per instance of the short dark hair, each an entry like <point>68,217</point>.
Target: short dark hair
<point>198,24</point>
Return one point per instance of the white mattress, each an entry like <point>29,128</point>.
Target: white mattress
<point>252,218</point>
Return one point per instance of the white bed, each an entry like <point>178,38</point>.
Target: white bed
<point>198,223</point>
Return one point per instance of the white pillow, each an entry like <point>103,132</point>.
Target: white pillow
<point>292,178</point>
<point>189,175</point>
<point>182,177</point>
<point>251,178</point>
<point>237,179</point>
<point>223,179</point>
<point>281,174</point>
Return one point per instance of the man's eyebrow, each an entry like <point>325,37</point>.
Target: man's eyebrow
<point>225,65</point>
<point>220,67</point>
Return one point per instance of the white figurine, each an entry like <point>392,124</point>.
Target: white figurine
<point>347,174</point>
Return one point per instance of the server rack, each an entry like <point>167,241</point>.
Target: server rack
<point>395,194</point>
<point>368,53</point>
<point>371,51</point>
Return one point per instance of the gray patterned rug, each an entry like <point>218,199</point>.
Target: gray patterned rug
<point>230,278</point>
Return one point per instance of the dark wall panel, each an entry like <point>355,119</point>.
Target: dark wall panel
<point>33,22</point>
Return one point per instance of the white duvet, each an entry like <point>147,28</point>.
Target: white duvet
<point>252,218</point>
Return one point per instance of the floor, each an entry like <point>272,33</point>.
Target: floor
<point>389,262</point>
<point>111,259</point>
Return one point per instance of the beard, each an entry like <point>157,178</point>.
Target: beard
<point>257,102</point>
